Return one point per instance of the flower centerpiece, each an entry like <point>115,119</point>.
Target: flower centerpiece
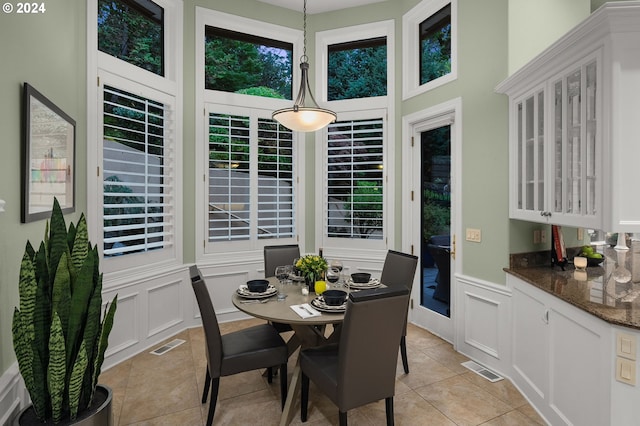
<point>312,267</point>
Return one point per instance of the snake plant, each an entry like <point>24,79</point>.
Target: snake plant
<point>58,335</point>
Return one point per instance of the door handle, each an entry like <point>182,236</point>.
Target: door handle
<point>453,247</point>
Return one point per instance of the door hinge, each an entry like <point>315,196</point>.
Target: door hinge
<point>98,171</point>
<point>411,304</point>
<point>412,141</point>
<point>98,80</point>
<point>411,195</point>
<point>412,249</point>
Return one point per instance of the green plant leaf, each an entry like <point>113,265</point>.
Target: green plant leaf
<point>105,329</point>
<point>57,242</point>
<point>61,295</point>
<point>79,306</point>
<point>57,371</point>
<point>75,380</point>
<point>80,245</point>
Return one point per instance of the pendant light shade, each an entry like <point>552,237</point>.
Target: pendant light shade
<point>302,118</point>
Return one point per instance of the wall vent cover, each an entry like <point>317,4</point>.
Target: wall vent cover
<point>167,347</point>
<point>482,371</point>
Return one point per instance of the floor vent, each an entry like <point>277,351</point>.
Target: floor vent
<point>167,347</point>
<point>482,371</point>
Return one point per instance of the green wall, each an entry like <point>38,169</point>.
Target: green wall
<point>49,52</point>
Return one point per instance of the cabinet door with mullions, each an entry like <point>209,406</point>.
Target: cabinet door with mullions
<point>574,142</point>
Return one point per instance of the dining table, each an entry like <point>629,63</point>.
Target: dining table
<point>307,332</point>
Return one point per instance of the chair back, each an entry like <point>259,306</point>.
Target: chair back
<point>278,256</point>
<point>210,325</point>
<point>368,348</point>
<point>194,273</point>
<point>399,269</point>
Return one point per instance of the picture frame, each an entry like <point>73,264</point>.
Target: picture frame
<point>48,151</point>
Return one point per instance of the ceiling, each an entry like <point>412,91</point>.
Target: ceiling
<point>319,6</point>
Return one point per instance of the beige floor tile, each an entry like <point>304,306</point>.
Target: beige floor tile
<point>462,401</point>
<point>190,417</point>
<point>512,418</point>
<point>503,389</point>
<point>166,390</point>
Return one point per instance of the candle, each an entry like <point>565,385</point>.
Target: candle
<point>580,262</point>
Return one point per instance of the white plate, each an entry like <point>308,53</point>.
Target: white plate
<point>319,304</point>
<point>244,292</point>
<point>373,283</point>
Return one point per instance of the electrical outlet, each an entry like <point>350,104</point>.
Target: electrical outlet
<point>580,233</point>
<point>474,235</point>
<point>536,236</point>
<point>543,236</point>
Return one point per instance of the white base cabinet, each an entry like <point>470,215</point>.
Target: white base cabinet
<point>561,357</point>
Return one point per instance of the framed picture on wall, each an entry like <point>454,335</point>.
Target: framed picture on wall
<point>48,157</point>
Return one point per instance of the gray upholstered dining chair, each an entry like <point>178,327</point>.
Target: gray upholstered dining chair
<point>361,368</point>
<point>248,349</point>
<point>398,271</point>
<point>279,255</point>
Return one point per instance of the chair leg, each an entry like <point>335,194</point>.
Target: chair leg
<point>207,383</point>
<point>343,418</point>
<point>269,374</point>
<point>214,399</point>
<point>304,396</point>
<point>388,406</point>
<point>403,353</point>
<point>283,383</point>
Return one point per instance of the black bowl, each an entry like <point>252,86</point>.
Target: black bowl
<point>594,261</point>
<point>361,277</point>
<point>257,286</point>
<point>334,297</point>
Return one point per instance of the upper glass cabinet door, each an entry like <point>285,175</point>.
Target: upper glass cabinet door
<point>574,142</point>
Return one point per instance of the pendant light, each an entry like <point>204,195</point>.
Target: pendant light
<point>301,118</point>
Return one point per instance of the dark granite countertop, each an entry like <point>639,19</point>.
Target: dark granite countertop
<point>596,291</point>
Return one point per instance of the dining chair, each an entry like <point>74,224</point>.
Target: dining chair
<point>361,367</point>
<point>248,349</point>
<point>278,255</point>
<point>399,270</point>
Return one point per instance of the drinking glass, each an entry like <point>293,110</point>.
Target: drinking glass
<point>333,274</point>
<point>281,275</point>
<point>337,264</point>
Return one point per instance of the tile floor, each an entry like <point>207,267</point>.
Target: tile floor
<point>166,390</point>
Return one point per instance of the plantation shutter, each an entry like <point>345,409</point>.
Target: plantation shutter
<point>355,179</point>
<point>275,180</point>
<point>137,169</point>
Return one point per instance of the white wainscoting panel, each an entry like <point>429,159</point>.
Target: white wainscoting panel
<point>124,333</point>
<point>13,394</point>
<point>165,306</point>
<point>482,323</point>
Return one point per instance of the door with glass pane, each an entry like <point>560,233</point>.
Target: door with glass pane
<point>434,222</point>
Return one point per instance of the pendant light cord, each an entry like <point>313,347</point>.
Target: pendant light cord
<point>304,32</point>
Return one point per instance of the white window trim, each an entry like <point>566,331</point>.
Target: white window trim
<point>411,47</point>
<point>356,109</point>
<point>119,270</point>
<point>245,105</point>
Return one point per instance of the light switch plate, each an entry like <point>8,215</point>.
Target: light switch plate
<point>626,346</point>
<point>626,371</point>
<point>474,235</point>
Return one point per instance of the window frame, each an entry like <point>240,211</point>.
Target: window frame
<point>244,105</point>
<point>356,109</point>
<point>411,47</point>
<point>104,69</point>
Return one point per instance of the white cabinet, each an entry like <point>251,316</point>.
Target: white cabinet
<point>561,357</point>
<point>575,126</point>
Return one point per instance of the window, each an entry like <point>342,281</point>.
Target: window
<point>249,190</point>
<point>135,164</point>
<point>435,45</point>
<point>357,69</point>
<point>429,46</point>
<point>248,64</point>
<point>355,179</point>
<point>234,191</point>
<point>132,30</point>
<point>134,131</point>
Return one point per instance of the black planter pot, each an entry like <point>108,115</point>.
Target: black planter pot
<point>98,414</point>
